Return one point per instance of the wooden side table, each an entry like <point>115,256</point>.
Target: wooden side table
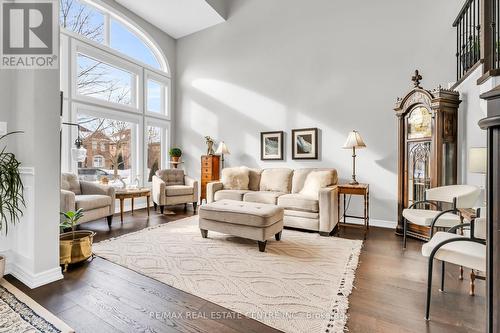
<point>132,194</point>
<point>359,189</point>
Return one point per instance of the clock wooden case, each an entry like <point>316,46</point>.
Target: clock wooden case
<point>427,146</point>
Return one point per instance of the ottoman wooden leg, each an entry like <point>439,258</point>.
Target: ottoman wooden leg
<point>278,236</point>
<point>204,233</point>
<point>262,245</point>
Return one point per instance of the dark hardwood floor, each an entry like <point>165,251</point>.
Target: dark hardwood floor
<point>389,294</point>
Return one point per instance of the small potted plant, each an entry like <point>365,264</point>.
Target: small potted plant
<point>11,193</point>
<point>74,246</point>
<point>175,154</point>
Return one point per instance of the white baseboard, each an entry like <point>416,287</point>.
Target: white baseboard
<point>34,280</point>
<point>375,223</point>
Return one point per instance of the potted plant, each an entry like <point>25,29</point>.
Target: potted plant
<point>175,154</point>
<point>74,246</point>
<point>11,193</point>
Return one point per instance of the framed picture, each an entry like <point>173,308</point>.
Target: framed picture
<point>271,145</point>
<point>305,144</point>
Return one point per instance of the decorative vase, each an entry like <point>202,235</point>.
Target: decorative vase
<point>74,249</point>
<point>2,266</point>
<point>175,159</point>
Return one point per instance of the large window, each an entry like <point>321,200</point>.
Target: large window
<point>116,86</point>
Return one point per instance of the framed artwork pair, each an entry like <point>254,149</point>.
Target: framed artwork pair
<point>304,144</point>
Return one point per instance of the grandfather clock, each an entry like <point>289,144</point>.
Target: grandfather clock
<point>427,146</point>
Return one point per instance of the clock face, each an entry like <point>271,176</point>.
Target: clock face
<point>419,123</point>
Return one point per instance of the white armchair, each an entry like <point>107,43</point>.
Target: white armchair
<point>467,251</point>
<point>97,201</point>
<point>172,187</point>
<point>459,196</point>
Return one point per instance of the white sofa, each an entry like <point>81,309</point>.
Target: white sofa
<point>282,187</point>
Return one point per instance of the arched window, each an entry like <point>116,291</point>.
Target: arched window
<point>116,85</point>
<point>93,21</point>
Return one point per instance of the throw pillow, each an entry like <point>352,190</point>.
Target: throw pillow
<point>315,181</point>
<point>235,178</point>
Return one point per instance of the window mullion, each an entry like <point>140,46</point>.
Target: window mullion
<point>107,30</point>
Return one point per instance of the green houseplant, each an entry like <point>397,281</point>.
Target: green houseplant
<point>11,193</point>
<point>175,154</point>
<point>74,246</point>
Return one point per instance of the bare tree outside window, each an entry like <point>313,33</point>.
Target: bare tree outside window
<point>82,19</point>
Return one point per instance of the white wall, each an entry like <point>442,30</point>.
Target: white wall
<point>472,109</point>
<point>335,65</point>
<point>31,98</point>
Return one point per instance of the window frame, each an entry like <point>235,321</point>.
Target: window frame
<point>109,60</point>
<point>137,131</point>
<point>73,103</point>
<point>165,145</point>
<point>109,12</point>
<point>165,101</point>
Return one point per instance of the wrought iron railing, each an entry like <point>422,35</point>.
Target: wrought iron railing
<point>468,25</point>
<point>495,34</point>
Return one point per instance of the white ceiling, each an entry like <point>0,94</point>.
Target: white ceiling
<point>178,18</point>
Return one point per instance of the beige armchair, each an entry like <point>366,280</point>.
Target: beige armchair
<point>97,201</point>
<point>172,187</point>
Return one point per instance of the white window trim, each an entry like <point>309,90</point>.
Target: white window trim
<point>113,61</point>
<point>72,103</point>
<point>165,145</point>
<point>165,103</point>
<point>137,132</point>
<point>129,23</point>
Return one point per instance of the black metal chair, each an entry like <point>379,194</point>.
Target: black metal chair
<point>459,196</point>
<point>467,251</point>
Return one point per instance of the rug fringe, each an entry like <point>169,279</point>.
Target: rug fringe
<point>339,316</point>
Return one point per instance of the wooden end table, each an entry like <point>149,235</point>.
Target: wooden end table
<point>358,189</point>
<point>132,194</point>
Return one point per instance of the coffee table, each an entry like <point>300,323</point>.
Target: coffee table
<point>131,194</point>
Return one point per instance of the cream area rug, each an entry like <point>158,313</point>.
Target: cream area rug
<point>21,314</point>
<point>300,284</point>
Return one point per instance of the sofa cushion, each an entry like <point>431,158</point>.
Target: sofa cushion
<point>254,179</point>
<point>94,201</point>
<point>265,197</point>
<point>171,176</point>
<point>297,201</point>
<point>235,178</point>
<point>230,195</point>
<point>300,176</point>
<point>300,213</point>
<point>70,182</point>
<point>244,213</point>
<point>276,180</point>
<point>315,181</point>
<point>177,190</point>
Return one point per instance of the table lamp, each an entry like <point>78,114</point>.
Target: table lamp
<point>221,150</point>
<point>354,141</point>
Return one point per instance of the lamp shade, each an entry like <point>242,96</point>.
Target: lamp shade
<point>354,140</point>
<point>477,160</point>
<point>222,149</point>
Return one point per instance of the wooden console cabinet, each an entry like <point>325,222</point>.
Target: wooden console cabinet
<point>210,171</point>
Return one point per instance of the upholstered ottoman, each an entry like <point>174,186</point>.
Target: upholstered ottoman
<point>243,219</point>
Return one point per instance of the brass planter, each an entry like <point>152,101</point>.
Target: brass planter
<point>74,248</point>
